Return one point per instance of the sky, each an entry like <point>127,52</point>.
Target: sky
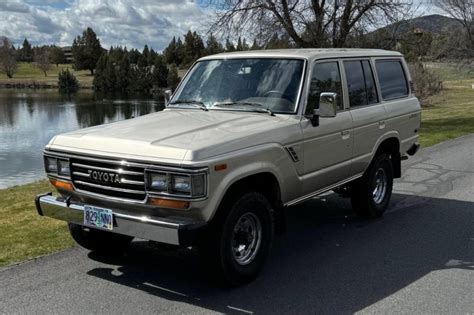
<point>131,23</point>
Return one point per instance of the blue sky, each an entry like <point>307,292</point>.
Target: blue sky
<point>131,23</point>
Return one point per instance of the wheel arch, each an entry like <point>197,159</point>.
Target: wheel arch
<point>391,146</point>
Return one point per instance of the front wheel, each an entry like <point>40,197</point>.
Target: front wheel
<point>370,195</point>
<point>237,244</point>
<point>99,241</point>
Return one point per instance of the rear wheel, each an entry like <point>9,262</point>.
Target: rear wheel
<point>370,195</point>
<point>99,241</point>
<point>237,244</point>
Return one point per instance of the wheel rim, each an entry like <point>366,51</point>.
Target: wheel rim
<point>246,238</point>
<point>380,186</point>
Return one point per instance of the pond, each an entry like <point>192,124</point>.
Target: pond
<point>30,118</point>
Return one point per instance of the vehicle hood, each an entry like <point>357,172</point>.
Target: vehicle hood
<point>179,134</point>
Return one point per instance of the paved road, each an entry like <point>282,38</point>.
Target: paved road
<point>418,259</point>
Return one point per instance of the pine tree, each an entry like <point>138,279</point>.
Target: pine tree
<point>239,47</point>
<point>145,56</point>
<point>26,52</point>
<point>123,73</point>
<point>229,46</point>
<point>173,78</point>
<point>160,72</point>
<point>170,52</point>
<point>99,81</point>
<point>110,75</point>
<point>86,51</point>
<point>179,52</point>
<point>189,48</point>
<point>255,45</point>
<point>213,46</point>
<point>199,48</point>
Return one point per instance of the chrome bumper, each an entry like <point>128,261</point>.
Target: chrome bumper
<point>160,230</point>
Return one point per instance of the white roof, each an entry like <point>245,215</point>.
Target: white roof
<point>306,53</point>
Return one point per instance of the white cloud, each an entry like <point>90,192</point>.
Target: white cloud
<point>131,23</point>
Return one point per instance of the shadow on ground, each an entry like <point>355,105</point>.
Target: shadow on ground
<point>328,262</point>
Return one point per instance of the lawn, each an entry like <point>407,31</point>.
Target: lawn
<point>451,112</point>
<point>27,73</point>
<point>24,234</point>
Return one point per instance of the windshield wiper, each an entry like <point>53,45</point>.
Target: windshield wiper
<point>256,107</point>
<point>197,104</point>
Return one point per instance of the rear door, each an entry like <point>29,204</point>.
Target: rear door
<point>403,108</point>
<point>368,113</point>
<point>327,147</point>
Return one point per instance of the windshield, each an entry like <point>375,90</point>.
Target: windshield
<point>242,84</point>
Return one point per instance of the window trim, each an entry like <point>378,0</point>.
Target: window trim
<point>374,76</point>
<point>308,87</point>
<point>407,81</point>
<point>300,88</point>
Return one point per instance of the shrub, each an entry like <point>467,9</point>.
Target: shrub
<point>67,82</point>
<point>426,82</point>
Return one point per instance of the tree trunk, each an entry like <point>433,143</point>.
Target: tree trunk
<point>92,71</point>
<point>45,74</point>
<point>9,75</point>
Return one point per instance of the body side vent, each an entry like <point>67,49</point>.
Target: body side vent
<point>293,154</point>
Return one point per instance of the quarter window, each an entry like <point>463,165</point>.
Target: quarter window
<point>326,77</point>
<point>360,83</point>
<point>393,82</point>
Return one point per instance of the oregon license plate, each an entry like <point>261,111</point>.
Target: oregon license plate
<point>98,217</point>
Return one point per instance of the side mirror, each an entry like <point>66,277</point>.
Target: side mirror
<point>167,94</point>
<point>327,107</point>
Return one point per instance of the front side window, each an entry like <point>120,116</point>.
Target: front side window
<point>325,77</point>
<point>243,84</point>
<point>393,83</point>
<point>360,83</point>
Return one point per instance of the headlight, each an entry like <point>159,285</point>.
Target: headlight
<point>158,182</point>
<point>58,167</point>
<point>181,184</point>
<point>51,165</point>
<point>63,168</point>
<point>174,184</point>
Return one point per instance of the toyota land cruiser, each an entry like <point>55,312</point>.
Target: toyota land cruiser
<point>244,135</point>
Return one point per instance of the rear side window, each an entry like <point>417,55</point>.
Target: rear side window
<point>393,82</point>
<point>360,83</point>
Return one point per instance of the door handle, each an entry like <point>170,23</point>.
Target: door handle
<point>346,134</point>
<point>381,124</point>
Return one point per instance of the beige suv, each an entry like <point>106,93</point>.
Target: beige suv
<point>244,136</point>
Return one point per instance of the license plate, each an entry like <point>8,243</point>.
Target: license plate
<point>98,217</point>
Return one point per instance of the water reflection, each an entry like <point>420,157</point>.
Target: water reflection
<point>29,119</point>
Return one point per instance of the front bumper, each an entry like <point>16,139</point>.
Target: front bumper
<point>176,232</point>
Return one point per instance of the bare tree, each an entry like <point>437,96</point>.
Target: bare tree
<point>309,23</point>
<point>7,57</point>
<point>42,59</point>
<point>463,12</point>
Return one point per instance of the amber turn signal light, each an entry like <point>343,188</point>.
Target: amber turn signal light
<point>61,185</point>
<point>167,203</point>
<point>220,167</point>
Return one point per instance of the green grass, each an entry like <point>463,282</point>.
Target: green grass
<point>27,73</point>
<point>23,233</point>
<point>451,112</point>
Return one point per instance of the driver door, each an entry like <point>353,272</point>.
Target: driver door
<point>328,146</point>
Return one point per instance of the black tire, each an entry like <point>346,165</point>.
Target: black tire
<point>99,241</point>
<point>231,227</point>
<point>370,195</point>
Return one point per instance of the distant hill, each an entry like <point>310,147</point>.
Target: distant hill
<point>435,24</point>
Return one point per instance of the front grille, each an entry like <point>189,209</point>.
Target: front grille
<point>108,178</point>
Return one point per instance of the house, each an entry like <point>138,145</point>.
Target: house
<point>67,50</point>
